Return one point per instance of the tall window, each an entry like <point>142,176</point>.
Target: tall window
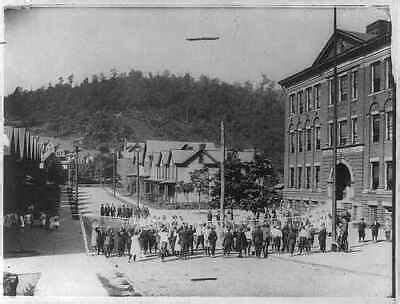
<point>389,177</point>
<point>330,134</point>
<point>354,85</point>
<point>376,77</point>
<point>389,125</point>
<point>317,173</point>
<point>375,127</point>
<point>291,182</point>
<point>317,138</point>
<point>343,88</point>
<point>299,176</point>
<point>292,143</point>
<point>374,175</point>
<point>342,132</point>
<point>331,91</point>
<point>388,73</point>
<point>308,177</point>
<point>308,139</point>
<point>292,104</point>
<point>300,140</point>
<point>317,96</point>
<point>300,102</point>
<point>354,131</point>
<point>308,100</point>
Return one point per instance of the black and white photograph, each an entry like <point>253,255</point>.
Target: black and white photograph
<point>198,151</point>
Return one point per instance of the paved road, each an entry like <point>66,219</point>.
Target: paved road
<point>365,272</point>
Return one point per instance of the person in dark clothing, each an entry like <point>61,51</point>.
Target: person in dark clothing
<point>102,210</point>
<point>345,235</point>
<point>218,217</point>
<point>107,210</point>
<point>322,238</point>
<point>375,230</point>
<point>185,241</point>
<point>100,240</point>
<point>191,232</point>
<point>209,216</point>
<point>212,238</point>
<point>119,211</point>
<point>227,242</point>
<point>361,230</point>
<point>258,240</point>
<point>292,239</point>
<point>241,242</point>
<point>285,238</point>
<point>113,210</point>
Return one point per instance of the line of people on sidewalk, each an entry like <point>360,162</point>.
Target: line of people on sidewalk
<point>31,218</point>
<point>124,211</point>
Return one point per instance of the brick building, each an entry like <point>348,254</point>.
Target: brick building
<point>364,126</point>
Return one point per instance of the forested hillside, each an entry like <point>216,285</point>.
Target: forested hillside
<point>104,110</point>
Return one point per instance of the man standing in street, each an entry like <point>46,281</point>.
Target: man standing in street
<point>212,238</point>
<point>258,241</point>
<point>374,230</point>
<point>361,230</point>
<point>322,238</point>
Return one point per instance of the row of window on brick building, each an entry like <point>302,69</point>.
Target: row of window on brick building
<point>302,138</point>
<point>312,179</point>
<point>379,80</point>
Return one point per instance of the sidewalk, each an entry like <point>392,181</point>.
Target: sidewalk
<point>59,256</point>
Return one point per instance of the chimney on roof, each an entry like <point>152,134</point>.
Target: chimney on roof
<point>379,27</point>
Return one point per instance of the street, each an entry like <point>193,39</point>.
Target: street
<point>366,271</point>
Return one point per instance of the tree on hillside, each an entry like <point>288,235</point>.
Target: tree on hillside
<point>142,106</point>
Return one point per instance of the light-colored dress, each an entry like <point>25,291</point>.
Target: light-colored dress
<point>135,246</point>
<point>93,238</point>
<point>177,243</point>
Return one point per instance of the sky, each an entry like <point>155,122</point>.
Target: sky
<point>46,43</point>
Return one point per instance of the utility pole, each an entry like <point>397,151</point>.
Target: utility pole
<point>222,172</point>
<point>113,162</point>
<point>76,173</point>
<point>334,139</point>
<point>137,178</point>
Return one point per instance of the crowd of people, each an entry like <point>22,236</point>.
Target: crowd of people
<point>124,211</point>
<point>31,217</point>
<point>181,239</point>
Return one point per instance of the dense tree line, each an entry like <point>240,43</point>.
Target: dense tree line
<point>104,110</point>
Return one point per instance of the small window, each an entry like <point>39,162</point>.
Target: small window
<point>389,125</point>
<point>308,177</point>
<point>331,91</point>
<point>317,138</point>
<point>389,177</point>
<point>300,102</point>
<point>354,131</point>
<point>291,182</point>
<point>375,128</point>
<point>342,132</point>
<point>299,176</point>
<point>317,173</point>
<point>330,134</point>
<point>292,104</point>
<point>300,140</point>
<point>292,143</point>
<point>308,100</point>
<point>388,73</point>
<point>376,77</point>
<point>317,96</point>
<point>308,135</point>
<point>343,88</point>
<point>374,175</point>
<point>354,85</point>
